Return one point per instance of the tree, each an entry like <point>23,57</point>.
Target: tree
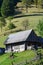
<point>2,22</point>
<point>32,1</point>
<point>40,27</point>
<point>36,2</point>
<point>7,8</point>
<point>0,6</point>
<point>16,1</point>
<point>26,3</point>
<point>25,24</point>
<point>1,2</point>
<point>42,3</point>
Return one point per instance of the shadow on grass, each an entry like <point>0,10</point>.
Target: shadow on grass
<point>1,54</point>
<point>19,16</point>
<point>19,30</point>
<point>38,12</point>
<point>17,12</point>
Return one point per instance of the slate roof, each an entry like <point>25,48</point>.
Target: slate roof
<point>18,37</point>
<point>23,36</point>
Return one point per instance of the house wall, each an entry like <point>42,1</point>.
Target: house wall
<point>8,48</point>
<point>20,47</point>
<point>17,48</point>
<point>29,47</point>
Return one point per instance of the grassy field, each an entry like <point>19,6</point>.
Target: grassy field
<point>33,21</point>
<point>18,57</point>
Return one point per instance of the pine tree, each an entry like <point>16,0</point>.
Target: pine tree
<point>7,8</point>
<point>0,6</point>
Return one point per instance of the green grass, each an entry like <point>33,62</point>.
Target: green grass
<point>18,57</point>
<point>3,57</point>
<point>2,39</point>
<point>33,21</point>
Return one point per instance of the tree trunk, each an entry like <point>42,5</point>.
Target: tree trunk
<point>26,9</point>
<point>36,3</point>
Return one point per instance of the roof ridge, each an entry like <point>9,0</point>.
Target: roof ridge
<point>21,31</point>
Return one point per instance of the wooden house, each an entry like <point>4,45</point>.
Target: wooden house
<point>23,40</point>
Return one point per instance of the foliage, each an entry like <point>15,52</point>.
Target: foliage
<point>38,2</point>
<point>42,3</point>
<point>33,21</point>
<point>32,1</point>
<point>7,8</point>
<point>0,6</point>
<point>16,1</point>
<point>7,4</point>
<point>40,27</point>
<point>10,18</point>
<point>11,25</point>
<point>1,2</point>
<point>26,3</point>
<point>2,22</point>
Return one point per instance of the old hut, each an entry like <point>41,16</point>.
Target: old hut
<point>23,40</point>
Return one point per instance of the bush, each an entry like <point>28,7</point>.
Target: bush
<point>40,27</point>
<point>11,25</point>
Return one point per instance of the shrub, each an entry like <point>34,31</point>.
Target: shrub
<point>11,25</point>
<point>40,27</point>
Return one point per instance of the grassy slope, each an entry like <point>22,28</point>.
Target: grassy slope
<point>2,39</point>
<point>33,21</point>
<point>18,57</point>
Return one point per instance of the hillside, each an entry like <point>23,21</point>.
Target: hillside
<point>18,57</point>
<point>18,22</point>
